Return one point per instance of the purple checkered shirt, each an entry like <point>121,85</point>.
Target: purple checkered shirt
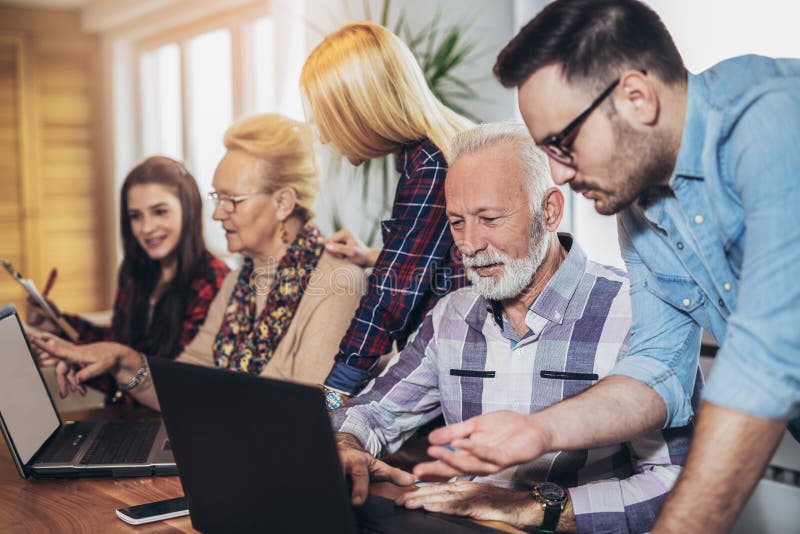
<point>466,360</point>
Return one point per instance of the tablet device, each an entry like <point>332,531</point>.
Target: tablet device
<point>34,293</point>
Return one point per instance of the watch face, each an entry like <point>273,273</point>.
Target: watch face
<point>333,401</point>
<point>550,491</point>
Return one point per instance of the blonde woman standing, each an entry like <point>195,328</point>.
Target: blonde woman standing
<point>366,94</point>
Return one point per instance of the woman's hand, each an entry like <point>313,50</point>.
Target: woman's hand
<point>346,245</point>
<point>36,317</point>
<point>65,375</point>
<point>75,364</point>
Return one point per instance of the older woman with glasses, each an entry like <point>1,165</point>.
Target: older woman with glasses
<point>284,311</point>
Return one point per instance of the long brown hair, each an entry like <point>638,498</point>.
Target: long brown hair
<point>162,336</point>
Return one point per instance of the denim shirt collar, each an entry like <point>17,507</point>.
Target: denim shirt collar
<point>554,299</point>
<point>689,163</point>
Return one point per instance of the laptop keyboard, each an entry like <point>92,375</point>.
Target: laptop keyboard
<point>68,442</point>
<point>124,442</point>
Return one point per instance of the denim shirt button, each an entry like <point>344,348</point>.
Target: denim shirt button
<point>727,286</point>
<point>687,302</point>
<point>721,303</point>
<point>698,219</point>
<point>679,244</point>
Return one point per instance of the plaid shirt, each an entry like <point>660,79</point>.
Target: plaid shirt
<point>203,289</point>
<point>466,360</point>
<point>417,265</point>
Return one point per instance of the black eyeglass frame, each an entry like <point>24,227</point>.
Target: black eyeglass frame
<point>553,144</point>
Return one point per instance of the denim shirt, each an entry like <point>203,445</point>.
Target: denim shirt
<point>719,248</point>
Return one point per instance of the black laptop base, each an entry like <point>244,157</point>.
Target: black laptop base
<point>258,455</point>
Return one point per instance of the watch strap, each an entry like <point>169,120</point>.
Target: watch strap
<point>552,498</point>
<point>552,513</point>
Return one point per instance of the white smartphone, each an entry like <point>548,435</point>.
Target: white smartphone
<point>154,511</point>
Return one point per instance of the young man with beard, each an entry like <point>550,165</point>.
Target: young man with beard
<point>540,323</point>
<point>702,171</point>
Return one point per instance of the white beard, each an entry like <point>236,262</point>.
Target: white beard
<point>517,272</point>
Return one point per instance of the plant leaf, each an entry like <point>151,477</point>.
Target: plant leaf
<point>367,10</point>
<point>385,13</point>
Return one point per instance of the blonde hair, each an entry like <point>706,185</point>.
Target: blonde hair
<point>286,148</point>
<point>366,93</point>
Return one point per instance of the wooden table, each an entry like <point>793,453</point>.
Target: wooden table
<point>89,504</point>
<point>83,505</point>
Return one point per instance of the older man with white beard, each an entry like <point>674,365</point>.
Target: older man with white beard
<point>541,323</point>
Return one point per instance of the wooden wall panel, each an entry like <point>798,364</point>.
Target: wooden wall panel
<point>10,178</point>
<point>59,189</point>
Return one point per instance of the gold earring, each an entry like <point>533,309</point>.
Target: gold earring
<point>283,234</point>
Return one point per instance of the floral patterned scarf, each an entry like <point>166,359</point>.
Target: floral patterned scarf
<point>246,342</point>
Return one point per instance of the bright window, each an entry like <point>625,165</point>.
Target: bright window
<point>210,113</point>
<point>162,129</point>
<point>195,81</point>
<point>263,65</point>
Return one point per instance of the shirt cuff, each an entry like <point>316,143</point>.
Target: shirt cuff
<point>348,422</point>
<point>752,389</point>
<point>347,379</point>
<point>598,507</point>
<point>664,381</point>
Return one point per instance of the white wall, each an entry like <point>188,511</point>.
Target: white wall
<point>705,32</point>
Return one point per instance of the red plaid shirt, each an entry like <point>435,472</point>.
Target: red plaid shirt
<point>203,290</point>
<point>417,265</point>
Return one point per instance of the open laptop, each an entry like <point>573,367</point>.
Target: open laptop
<point>43,446</point>
<point>258,455</point>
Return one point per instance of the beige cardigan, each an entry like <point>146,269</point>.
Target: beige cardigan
<point>305,354</point>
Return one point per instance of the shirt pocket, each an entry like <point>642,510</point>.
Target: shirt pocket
<point>681,293</point>
<point>566,375</point>
<point>564,383</point>
<point>472,373</point>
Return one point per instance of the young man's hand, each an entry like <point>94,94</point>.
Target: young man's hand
<point>483,445</point>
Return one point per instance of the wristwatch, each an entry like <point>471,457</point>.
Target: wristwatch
<point>552,497</point>
<point>334,399</point>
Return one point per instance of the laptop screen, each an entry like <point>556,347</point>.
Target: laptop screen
<point>25,404</point>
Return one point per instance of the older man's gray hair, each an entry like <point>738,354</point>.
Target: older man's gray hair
<point>533,160</point>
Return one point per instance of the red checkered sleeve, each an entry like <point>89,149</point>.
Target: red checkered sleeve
<point>88,332</point>
<point>204,289</point>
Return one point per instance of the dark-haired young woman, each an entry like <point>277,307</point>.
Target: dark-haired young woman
<point>167,279</point>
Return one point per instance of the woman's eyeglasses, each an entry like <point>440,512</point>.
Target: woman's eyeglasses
<point>228,203</point>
